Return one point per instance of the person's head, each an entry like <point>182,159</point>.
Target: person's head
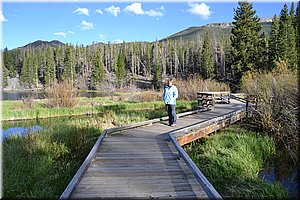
<point>170,82</point>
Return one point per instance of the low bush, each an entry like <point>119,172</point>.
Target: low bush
<point>188,88</point>
<point>62,95</point>
<point>148,96</point>
<point>277,95</point>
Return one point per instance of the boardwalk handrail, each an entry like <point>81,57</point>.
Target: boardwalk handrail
<point>67,192</point>
<point>202,180</point>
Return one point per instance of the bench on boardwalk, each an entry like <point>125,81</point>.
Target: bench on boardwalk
<point>207,100</point>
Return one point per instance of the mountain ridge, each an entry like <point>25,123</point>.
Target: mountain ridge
<point>217,29</point>
<point>40,43</point>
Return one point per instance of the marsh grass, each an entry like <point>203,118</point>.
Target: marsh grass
<point>42,164</point>
<point>232,159</point>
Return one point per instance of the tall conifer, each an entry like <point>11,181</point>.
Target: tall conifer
<point>207,62</point>
<point>245,39</point>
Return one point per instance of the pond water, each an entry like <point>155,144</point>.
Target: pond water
<point>17,95</point>
<point>283,169</point>
<point>20,130</point>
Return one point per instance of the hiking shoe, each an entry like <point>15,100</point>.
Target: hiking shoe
<point>173,124</point>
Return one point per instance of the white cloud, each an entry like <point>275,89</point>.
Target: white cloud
<point>117,41</point>
<point>136,8</point>
<point>60,34</point>
<point>82,11</point>
<point>154,13</point>
<point>113,10</point>
<point>200,9</point>
<point>99,11</point>
<point>86,25</point>
<point>2,18</point>
<point>102,36</point>
<point>71,32</point>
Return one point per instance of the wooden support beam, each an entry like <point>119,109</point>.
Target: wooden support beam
<point>211,126</point>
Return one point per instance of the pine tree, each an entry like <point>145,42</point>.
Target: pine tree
<point>292,15</point>
<point>120,70</point>
<point>50,74</point>
<point>298,31</point>
<point>274,43</point>
<point>156,81</point>
<point>207,62</point>
<point>98,69</point>
<point>24,78</point>
<point>35,70</point>
<point>31,69</point>
<point>245,39</point>
<point>66,74</point>
<point>287,39</point>
<point>4,75</point>
<point>8,62</point>
<point>262,62</point>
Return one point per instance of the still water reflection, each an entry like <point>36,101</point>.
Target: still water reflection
<point>283,169</point>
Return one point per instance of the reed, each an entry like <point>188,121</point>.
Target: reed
<point>231,160</point>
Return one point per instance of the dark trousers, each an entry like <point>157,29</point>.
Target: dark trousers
<point>171,113</point>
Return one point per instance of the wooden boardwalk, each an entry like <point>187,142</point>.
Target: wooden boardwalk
<point>146,162</point>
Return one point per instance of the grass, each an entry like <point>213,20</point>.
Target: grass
<point>232,159</point>
<point>41,164</point>
<point>16,110</point>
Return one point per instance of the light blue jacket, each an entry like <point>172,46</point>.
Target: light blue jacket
<point>170,94</point>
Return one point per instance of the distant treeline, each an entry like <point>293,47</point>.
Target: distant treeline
<point>223,58</point>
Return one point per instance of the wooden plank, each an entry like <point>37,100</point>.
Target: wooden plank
<point>138,181</point>
<point>138,178</point>
<point>126,174</point>
<point>133,170</point>
<point>90,193</point>
<point>150,186</point>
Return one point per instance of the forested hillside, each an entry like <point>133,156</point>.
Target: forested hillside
<point>223,55</point>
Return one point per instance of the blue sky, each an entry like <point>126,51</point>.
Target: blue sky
<point>84,23</point>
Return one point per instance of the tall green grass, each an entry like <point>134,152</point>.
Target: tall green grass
<point>232,160</point>
<point>41,165</point>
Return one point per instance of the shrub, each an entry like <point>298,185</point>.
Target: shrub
<point>148,96</point>
<point>277,102</point>
<point>188,88</point>
<point>62,95</point>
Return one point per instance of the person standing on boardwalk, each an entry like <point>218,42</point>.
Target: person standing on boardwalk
<point>170,96</point>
